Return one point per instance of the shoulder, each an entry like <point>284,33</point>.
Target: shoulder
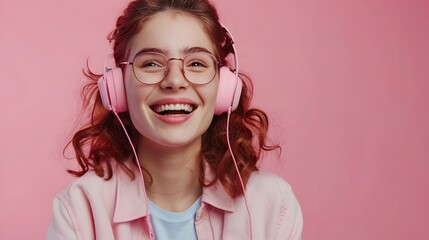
<point>87,199</point>
<point>271,198</point>
<point>274,186</point>
<point>272,194</point>
<point>88,192</point>
<point>79,195</point>
<point>87,184</point>
<point>92,184</point>
<point>92,200</point>
<point>72,208</point>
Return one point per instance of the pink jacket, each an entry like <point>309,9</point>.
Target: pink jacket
<point>93,208</point>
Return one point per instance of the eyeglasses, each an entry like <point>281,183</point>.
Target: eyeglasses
<point>152,67</point>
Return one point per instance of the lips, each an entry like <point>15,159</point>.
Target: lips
<point>173,107</point>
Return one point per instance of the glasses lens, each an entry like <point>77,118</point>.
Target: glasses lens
<point>150,68</point>
<point>199,68</point>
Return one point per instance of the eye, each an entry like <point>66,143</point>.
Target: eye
<point>150,64</point>
<point>197,63</point>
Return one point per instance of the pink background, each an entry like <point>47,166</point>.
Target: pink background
<point>346,84</point>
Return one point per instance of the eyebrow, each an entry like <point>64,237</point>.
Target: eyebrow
<point>196,49</point>
<point>186,50</point>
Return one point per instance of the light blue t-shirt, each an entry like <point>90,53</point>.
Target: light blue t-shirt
<point>174,226</point>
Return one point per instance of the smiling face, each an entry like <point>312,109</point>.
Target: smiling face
<point>173,113</point>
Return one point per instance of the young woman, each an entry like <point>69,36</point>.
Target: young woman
<point>193,174</point>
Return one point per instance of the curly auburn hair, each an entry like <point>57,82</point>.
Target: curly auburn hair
<point>102,141</point>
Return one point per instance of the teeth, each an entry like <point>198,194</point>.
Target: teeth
<point>174,107</point>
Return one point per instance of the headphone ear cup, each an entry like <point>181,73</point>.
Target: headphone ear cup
<point>229,91</point>
<point>112,90</point>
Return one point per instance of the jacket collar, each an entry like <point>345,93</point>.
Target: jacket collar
<point>215,194</point>
<point>131,202</point>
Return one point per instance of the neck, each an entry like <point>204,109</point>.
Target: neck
<point>174,172</point>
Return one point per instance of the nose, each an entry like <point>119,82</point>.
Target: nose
<point>174,78</point>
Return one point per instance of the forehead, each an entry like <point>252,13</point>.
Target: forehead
<point>172,32</point>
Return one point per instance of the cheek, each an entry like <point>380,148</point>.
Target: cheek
<point>137,94</point>
<point>139,113</point>
<point>210,93</point>
<point>128,82</point>
<point>135,91</point>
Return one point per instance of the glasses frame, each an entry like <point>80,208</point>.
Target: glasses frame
<point>217,66</point>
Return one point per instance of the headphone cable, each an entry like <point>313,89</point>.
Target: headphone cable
<point>238,172</point>
<point>140,171</point>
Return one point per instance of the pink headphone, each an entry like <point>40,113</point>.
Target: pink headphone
<point>112,89</point>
